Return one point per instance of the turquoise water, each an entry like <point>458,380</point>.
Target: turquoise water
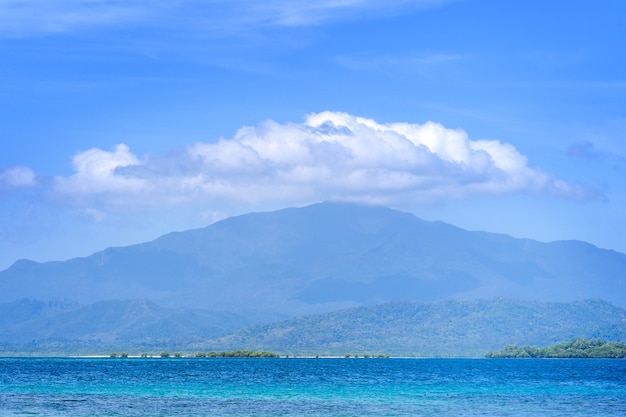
<point>311,387</point>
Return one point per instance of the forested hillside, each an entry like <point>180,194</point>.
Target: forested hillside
<point>445,328</point>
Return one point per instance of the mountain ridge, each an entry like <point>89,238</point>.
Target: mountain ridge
<point>323,257</point>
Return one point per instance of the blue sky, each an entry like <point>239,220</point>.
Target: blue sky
<point>124,120</point>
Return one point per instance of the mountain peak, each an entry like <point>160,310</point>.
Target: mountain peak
<point>321,257</point>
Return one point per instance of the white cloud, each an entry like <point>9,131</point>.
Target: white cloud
<point>18,177</point>
<point>96,174</point>
<point>330,156</point>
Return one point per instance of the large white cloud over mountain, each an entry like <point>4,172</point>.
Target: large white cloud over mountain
<point>330,156</point>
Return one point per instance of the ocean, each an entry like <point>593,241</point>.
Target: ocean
<point>311,387</point>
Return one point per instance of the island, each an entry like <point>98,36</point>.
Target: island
<point>576,348</point>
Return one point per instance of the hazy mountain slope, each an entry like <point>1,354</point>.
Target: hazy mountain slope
<point>445,328</point>
<point>442,328</point>
<point>322,257</point>
<point>128,322</point>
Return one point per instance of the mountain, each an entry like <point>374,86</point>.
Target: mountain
<point>31,325</point>
<point>442,328</point>
<point>400,328</point>
<point>320,258</point>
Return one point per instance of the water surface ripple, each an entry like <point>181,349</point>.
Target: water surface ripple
<point>311,387</point>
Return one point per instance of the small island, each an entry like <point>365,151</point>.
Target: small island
<point>230,354</point>
<point>576,348</point>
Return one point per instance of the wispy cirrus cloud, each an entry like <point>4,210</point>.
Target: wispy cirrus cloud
<point>329,156</point>
<point>21,18</point>
<point>405,62</point>
<point>307,12</point>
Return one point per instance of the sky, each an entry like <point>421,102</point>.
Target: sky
<point>121,121</point>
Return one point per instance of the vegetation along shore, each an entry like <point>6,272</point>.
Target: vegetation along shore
<point>576,348</point>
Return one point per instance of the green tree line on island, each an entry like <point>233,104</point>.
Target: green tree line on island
<point>238,354</point>
<point>576,348</point>
<point>230,354</point>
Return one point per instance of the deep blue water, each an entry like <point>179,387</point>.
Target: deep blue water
<point>312,387</point>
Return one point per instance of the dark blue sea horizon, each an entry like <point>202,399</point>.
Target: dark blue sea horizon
<point>311,387</point>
